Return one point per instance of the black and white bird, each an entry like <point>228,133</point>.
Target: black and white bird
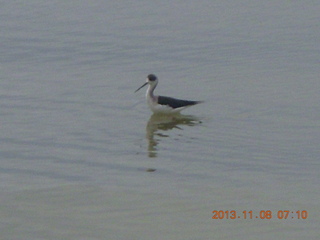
<point>161,104</point>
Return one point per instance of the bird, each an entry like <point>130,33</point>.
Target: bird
<point>162,104</point>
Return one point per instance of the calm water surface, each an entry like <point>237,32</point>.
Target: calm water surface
<point>82,157</point>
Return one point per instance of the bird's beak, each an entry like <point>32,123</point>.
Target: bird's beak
<point>141,87</point>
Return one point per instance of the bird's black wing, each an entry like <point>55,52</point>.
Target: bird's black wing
<point>175,103</point>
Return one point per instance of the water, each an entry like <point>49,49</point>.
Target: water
<point>83,158</point>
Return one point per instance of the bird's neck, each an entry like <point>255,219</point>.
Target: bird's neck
<point>150,91</point>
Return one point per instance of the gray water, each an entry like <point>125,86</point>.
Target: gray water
<point>82,157</point>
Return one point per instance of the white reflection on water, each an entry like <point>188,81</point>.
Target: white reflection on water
<point>159,124</point>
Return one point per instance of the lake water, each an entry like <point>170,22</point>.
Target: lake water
<point>82,157</point>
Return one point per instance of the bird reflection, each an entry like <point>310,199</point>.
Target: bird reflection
<point>159,124</point>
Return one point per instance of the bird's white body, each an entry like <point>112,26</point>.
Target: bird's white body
<point>158,108</point>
